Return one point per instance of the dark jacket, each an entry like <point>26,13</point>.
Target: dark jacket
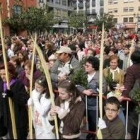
<point>73,119</point>
<point>132,74</point>
<point>115,129</point>
<point>135,88</point>
<point>19,99</point>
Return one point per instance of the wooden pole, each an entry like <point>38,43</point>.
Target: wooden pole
<point>7,80</point>
<point>47,74</point>
<point>130,53</point>
<point>99,134</point>
<point>31,88</point>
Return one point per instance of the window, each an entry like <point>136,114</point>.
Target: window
<point>17,9</point>
<point>101,11</point>
<point>64,2</point>
<point>101,2</point>
<point>57,1</point>
<point>131,9</point>
<point>125,9</point>
<point>131,19</point>
<point>125,19</point>
<point>116,10</point>
<point>115,1</point>
<point>93,3</point>
<point>41,1</point>
<point>112,2</point>
<point>115,20</point>
<point>110,11</point>
<point>93,11</point>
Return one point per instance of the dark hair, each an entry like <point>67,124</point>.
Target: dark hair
<point>93,51</point>
<point>94,61</point>
<point>28,63</point>
<point>113,100</point>
<point>15,59</point>
<point>107,50</point>
<point>81,45</point>
<point>135,57</point>
<point>127,46</point>
<point>11,69</point>
<point>114,50</point>
<point>0,47</point>
<point>43,82</point>
<point>70,88</point>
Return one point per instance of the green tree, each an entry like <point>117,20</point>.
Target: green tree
<point>107,19</point>
<point>32,19</point>
<point>77,20</point>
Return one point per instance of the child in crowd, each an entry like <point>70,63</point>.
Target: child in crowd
<point>111,126</point>
<point>41,103</point>
<point>70,110</point>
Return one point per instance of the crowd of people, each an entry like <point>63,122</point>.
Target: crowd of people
<point>65,55</point>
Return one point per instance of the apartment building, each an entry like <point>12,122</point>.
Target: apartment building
<point>61,8</point>
<point>90,7</point>
<point>10,7</point>
<point>126,13</point>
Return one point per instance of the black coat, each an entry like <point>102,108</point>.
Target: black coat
<point>19,99</point>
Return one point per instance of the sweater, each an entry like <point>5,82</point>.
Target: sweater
<point>115,129</point>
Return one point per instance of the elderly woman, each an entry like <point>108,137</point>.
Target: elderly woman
<point>114,72</point>
<point>92,69</point>
<point>19,97</point>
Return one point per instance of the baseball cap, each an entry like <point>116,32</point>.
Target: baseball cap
<point>64,50</point>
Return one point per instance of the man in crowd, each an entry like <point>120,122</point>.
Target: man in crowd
<point>65,66</point>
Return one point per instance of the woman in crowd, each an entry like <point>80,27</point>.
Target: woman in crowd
<point>114,72</point>
<point>41,103</point>
<point>23,57</point>
<point>25,75</point>
<point>92,69</point>
<point>70,110</point>
<point>19,97</point>
<point>15,61</point>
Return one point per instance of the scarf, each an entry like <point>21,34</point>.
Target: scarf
<point>113,72</point>
<point>11,83</point>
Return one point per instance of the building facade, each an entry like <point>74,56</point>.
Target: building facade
<point>90,7</point>
<point>9,7</point>
<point>61,9</point>
<point>126,13</point>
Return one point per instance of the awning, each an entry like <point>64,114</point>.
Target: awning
<point>130,26</point>
<point>92,27</point>
<point>60,26</point>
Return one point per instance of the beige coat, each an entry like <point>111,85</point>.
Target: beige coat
<point>118,75</point>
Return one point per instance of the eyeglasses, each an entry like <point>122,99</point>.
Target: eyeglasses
<point>111,110</point>
<point>87,66</point>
